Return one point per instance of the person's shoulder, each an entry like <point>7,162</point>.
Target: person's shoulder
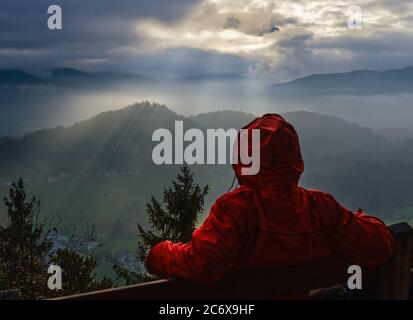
<point>237,198</point>
<point>321,197</point>
<point>323,205</point>
<point>233,207</point>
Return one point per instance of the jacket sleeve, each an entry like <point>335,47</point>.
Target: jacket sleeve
<point>213,248</point>
<point>359,238</point>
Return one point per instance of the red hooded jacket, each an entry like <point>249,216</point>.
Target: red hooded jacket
<point>270,221</point>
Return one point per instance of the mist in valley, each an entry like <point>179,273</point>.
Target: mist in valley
<point>28,108</point>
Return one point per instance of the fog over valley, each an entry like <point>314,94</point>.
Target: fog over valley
<point>71,95</point>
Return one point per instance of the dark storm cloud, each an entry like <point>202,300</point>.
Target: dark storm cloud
<point>92,29</point>
<point>23,23</point>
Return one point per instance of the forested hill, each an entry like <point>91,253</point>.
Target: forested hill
<point>113,140</point>
<point>359,166</point>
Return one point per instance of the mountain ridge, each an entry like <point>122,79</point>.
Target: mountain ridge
<point>130,130</point>
<point>359,82</point>
<point>64,76</point>
<point>104,169</point>
<point>59,72</point>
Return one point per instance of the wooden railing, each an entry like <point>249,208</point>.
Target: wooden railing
<point>392,281</point>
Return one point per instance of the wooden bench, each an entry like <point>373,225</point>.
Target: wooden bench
<point>392,281</point>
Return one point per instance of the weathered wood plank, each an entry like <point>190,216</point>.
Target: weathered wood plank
<point>237,284</point>
<point>395,275</point>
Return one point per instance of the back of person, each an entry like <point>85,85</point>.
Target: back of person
<point>270,221</point>
<point>311,225</point>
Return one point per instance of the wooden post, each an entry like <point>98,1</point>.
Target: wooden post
<point>395,275</point>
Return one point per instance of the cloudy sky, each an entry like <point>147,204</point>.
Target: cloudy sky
<point>271,40</point>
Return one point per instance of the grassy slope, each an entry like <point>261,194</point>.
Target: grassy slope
<point>101,202</point>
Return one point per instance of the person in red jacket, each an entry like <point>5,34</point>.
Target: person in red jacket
<point>270,221</point>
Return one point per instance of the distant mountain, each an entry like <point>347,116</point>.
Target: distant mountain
<point>72,77</point>
<point>68,72</point>
<point>17,77</point>
<point>377,99</point>
<point>329,134</point>
<point>110,141</point>
<point>360,82</point>
<point>66,77</point>
<point>29,102</point>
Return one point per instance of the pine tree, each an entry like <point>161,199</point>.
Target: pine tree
<point>78,273</point>
<point>26,251</point>
<point>78,262</point>
<point>25,242</point>
<point>175,219</point>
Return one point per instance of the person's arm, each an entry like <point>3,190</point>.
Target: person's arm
<point>359,238</point>
<point>212,250</point>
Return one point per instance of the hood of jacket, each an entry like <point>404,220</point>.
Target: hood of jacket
<point>281,163</point>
